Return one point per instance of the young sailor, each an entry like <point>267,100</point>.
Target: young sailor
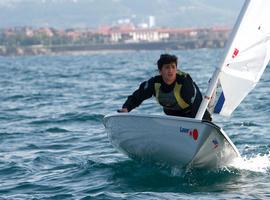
<point>174,90</point>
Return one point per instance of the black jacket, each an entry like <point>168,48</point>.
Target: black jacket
<point>189,93</point>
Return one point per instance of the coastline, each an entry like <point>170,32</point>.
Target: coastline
<point>88,49</point>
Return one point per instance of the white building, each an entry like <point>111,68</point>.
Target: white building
<point>152,21</point>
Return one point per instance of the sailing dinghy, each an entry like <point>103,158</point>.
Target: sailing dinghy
<point>182,142</point>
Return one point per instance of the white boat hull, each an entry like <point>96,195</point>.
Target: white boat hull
<point>173,141</point>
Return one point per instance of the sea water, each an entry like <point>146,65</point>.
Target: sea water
<point>53,144</point>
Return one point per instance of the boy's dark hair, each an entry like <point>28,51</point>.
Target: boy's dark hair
<point>166,59</point>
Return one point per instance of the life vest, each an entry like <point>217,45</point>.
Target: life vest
<point>171,100</point>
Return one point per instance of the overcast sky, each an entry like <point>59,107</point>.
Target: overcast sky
<point>94,13</point>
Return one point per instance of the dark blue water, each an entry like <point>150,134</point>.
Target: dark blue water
<point>53,144</point>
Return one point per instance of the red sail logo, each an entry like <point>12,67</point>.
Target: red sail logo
<point>235,53</point>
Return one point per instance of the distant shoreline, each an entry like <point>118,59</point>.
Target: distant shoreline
<point>86,49</point>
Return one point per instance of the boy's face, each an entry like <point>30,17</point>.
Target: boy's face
<point>168,72</point>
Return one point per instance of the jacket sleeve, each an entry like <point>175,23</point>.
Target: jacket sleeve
<point>192,95</point>
<point>190,90</point>
<point>145,91</point>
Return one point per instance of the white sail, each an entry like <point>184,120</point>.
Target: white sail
<point>247,56</point>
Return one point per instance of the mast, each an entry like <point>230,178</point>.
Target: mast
<point>214,80</point>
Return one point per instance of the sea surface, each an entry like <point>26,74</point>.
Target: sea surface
<point>53,144</point>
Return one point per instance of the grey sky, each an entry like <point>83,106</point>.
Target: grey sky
<point>93,13</point>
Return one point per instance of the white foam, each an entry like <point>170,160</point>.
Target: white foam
<point>257,163</point>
